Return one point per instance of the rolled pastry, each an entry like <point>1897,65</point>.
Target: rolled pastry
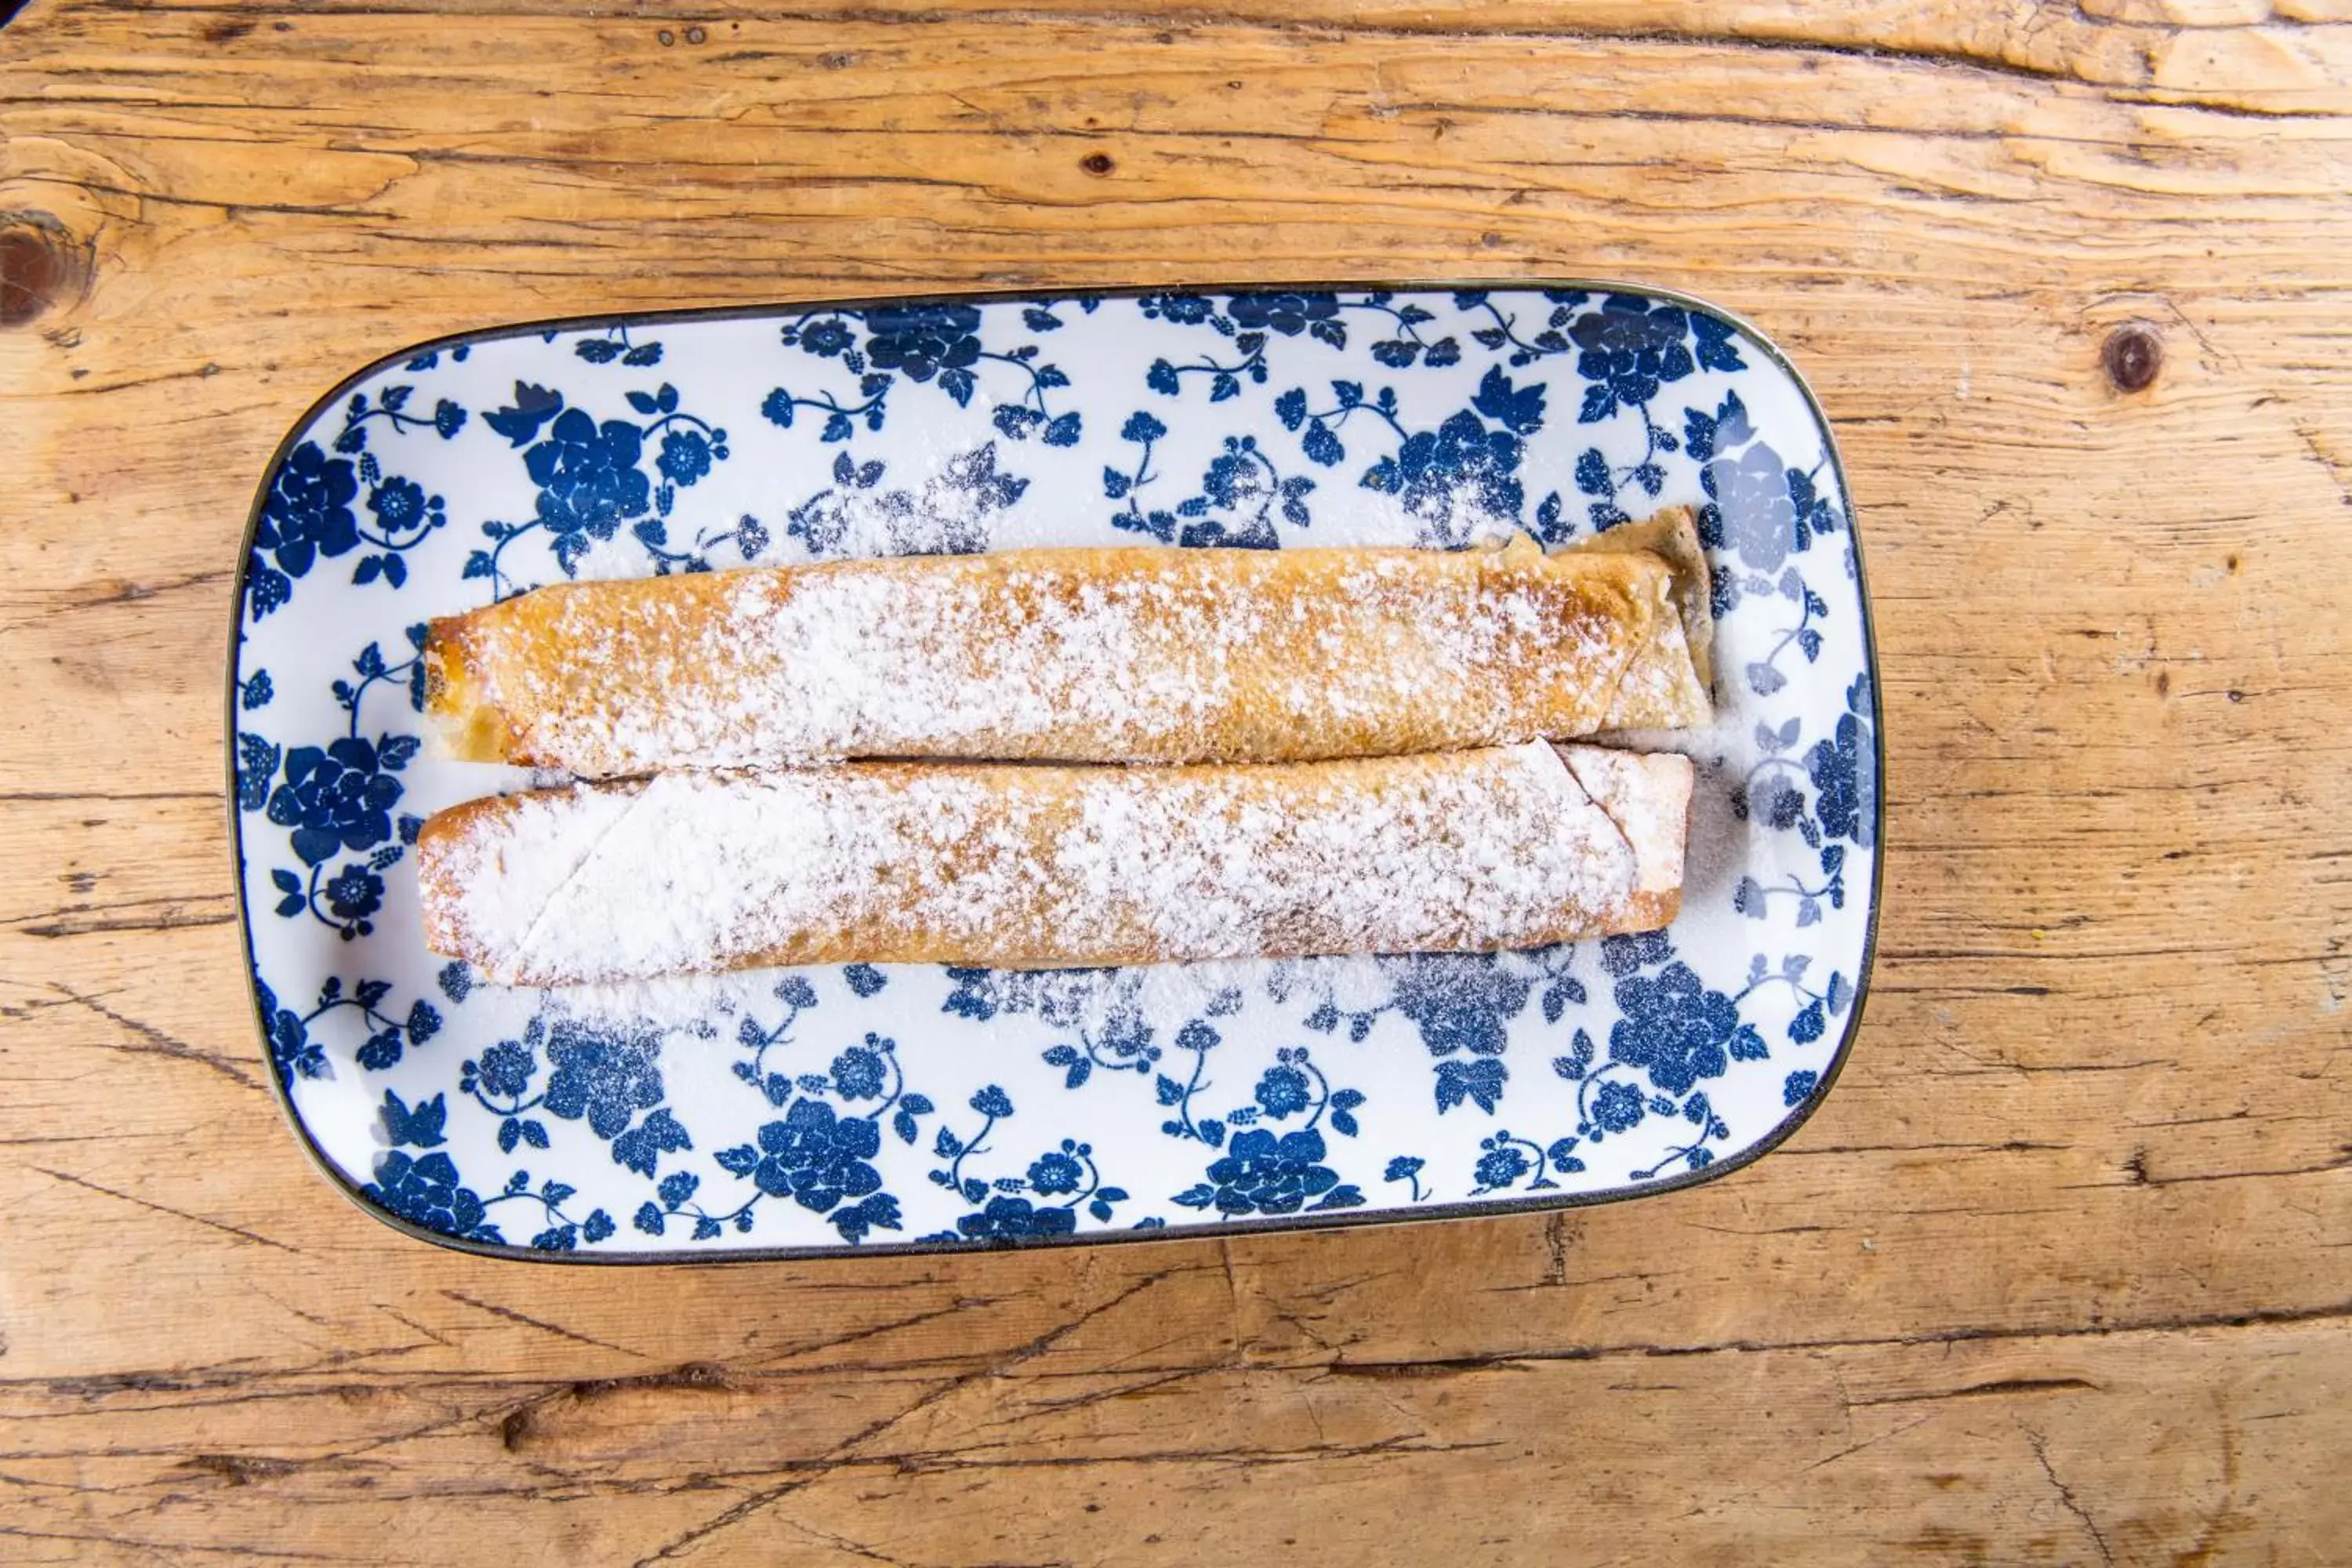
<point>1013,864</point>
<point>1081,655</point>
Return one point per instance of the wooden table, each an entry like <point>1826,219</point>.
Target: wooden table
<point>2062,1271</point>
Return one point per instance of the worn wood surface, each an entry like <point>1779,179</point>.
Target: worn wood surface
<point>2061,1272</point>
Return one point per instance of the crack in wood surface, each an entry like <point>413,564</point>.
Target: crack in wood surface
<point>750,1506</point>
<point>223,1227</point>
<point>153,1041</point>
<point>2066,1499</point>
<point>544,1327</point>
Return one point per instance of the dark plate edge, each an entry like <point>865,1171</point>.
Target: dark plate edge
<point>334,1174</point>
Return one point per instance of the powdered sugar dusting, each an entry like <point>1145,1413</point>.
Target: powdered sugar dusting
<point>1661,686</point>
<point>1140,655</point>
<point>1091,999</point>
<point>1649,799</point>
<point>1466,852</point>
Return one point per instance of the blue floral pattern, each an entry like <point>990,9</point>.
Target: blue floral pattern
<point>927,343</point>
<point>308,515</point>
<point>865,1106</point>
<point>1267,1172</point>
<point>1067,1174</point>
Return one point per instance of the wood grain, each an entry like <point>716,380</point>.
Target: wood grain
<point>2061,1272</point>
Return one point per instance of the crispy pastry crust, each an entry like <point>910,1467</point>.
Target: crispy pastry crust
<point>1084,655</point>
<point>1013,865</point>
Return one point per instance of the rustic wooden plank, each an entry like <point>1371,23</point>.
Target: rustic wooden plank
<point>2060,1273</point>
<point>2109,1447</point>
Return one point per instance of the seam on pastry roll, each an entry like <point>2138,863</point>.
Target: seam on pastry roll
<point>1648,797</point>
<point>1672,678</point>
<point>1082,655</point>
<point>1055,866</point>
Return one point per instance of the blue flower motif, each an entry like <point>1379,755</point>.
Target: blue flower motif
<point>1622,956</point>
<point>1501,1166</point>
<point>428,1192</point>
<point>1845,773</point>
<point>335,799</point>
<point>818,1156</point>
<point>398,504</point>
<point>1676,1030</point>
<point>558,1239</point>
<point>266,588</point>
<point>1055,1172</point>
<point>685,456</point>
<point>1618,1107</point>
<point>1262,1174</point>
<point>858,1073</point>
<point>1234,476</point>
<point>1460,458</point>
<point>1283,1091</point>
<point>507,1068</point>
<point>607,1078</point>
<point>1799,1087</point>
<point>308,512</point>
<point>1287,313</point>
<point>1183,309</point>
<point>1751,493</point>
<point>1630,349</point>
<point>827,338</point>
<point>355,893</point>
<point>1460,1003</point>
<point>1008,1218</point>
<point>292,1050</point>
<point>588,479</point>
<point>256,762</point>
<point>923,340</point>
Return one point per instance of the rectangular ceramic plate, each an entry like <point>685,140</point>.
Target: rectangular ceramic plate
<point>810,1110</point>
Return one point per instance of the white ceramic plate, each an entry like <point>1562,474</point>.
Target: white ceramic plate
<point>791,1111</point>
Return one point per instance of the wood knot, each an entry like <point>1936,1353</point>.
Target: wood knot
<point>2133,354</point>
<point>518,1428</point>
<point>1096,163</point>
<point>40,266</point>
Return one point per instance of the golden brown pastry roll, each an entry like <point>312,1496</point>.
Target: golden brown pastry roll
<point>1079,655</point>
<point>1016,865</point>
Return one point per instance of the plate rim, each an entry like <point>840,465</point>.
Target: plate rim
<point>512,1252</point>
